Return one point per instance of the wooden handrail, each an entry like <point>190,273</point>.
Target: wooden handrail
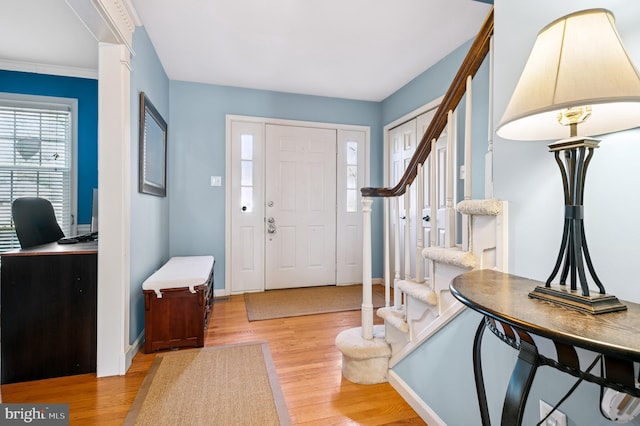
<point>472,62</point>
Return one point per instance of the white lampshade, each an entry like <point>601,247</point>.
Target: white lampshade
<point>577,60</point>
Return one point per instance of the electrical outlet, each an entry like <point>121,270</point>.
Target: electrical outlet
<point>557,418</point>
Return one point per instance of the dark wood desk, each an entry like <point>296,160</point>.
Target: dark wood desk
<point>520,321</point>
<point>48,313</point>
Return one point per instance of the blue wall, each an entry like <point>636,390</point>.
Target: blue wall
<point>197,151</point>
<point>432,84</point>
<point>86,92</point>
<point>149,214</point>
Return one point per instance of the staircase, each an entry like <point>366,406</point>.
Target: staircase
<point>428,306</point>
<point>468,235</point>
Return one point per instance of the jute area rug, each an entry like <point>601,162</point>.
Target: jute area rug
<point>224,385</point>
<point>295,302</point>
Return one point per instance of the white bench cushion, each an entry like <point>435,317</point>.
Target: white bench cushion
<point>178,272</point>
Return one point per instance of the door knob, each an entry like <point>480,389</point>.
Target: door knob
<point>271,225</point>
<point>426,218</point>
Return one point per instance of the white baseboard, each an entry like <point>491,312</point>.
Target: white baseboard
<point>133,350</point>
<point>424,411</point>
<point>220,292</point>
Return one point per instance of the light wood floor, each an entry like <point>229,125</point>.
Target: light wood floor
<point>305,356</point>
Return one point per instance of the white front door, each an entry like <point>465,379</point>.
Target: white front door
<point>300,207</point>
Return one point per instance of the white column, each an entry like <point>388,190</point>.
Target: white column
<point>114,181</point>
<point>367,298</point>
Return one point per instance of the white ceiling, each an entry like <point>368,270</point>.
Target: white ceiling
<point>356,49</point>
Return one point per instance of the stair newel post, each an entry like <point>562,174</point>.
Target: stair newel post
<point>387,255</point>
<point>419,278</point>
<point>367,298</point>
<point>397,299</point>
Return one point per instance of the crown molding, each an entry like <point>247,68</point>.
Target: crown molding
<point>109,21</point>
<point>38,68</point>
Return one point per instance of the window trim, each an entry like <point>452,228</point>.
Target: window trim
<point>41,101</point>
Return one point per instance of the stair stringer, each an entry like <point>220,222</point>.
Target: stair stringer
<point>398,354</point>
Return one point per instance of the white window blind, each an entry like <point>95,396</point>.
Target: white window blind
<point>35,161</point>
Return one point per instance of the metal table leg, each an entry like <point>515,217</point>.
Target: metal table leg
<point>520,384</point>
<point>477,372</point>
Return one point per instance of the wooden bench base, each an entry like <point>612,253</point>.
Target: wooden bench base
<point>179,318</point>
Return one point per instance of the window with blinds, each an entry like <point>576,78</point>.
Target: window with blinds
<point>35,161</point>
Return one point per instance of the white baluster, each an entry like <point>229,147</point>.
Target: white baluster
<point>407,233</point>
<point>467,142</point>
<point>367,298</point>
<point>466,238</point>
<point>433,234</point>
<point>419,229</point>
<point>488,159</point>
<point>387,255</point>
<point>397,298</point>
<point>450,213</point>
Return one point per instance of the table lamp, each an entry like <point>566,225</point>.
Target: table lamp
<point>578,81</point>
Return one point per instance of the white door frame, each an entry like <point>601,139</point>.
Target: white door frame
<point>340,128</point>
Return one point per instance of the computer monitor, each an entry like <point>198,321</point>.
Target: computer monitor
<point>94,211</point>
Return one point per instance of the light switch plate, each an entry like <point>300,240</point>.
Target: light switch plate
<point>216,180</point>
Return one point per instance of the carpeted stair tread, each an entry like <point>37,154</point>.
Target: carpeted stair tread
<point>419,291</point>
<point>394,317</point>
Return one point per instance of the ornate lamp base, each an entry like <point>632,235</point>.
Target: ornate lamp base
<point>594,304</point>
<point>574,253</point>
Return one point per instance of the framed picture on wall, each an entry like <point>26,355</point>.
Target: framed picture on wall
<point>152,171</point>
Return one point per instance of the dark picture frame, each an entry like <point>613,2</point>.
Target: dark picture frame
<point>152,170</point>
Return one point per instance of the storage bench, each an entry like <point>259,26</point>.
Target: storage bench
<point>178,300</point>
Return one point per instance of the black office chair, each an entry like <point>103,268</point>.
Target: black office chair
<point>35,221</point>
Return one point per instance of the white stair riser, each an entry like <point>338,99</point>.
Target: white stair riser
<point>396,338</point>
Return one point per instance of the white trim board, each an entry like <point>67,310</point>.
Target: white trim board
<point>425,412</point>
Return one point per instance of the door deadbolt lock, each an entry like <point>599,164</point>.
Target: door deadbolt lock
<point>271,225</point>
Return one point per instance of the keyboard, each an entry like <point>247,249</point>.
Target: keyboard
<point>90,236</point>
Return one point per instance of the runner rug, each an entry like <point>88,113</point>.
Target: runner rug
<point>295,302</point>
<point>223,385</point>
